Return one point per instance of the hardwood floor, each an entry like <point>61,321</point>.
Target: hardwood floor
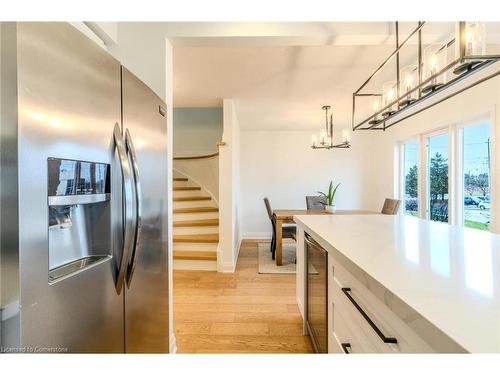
<point>240,312</point>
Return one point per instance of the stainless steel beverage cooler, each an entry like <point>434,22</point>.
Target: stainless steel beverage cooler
<point>84,255</point>
<point>317,294</point>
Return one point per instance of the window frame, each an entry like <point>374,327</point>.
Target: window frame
<point>426,167</point>
<point>459,214</point>
<point>455,169</point>
<point>402,179</point>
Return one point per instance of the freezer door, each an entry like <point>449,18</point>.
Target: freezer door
<point>146,296</point>
<point>69,102</point>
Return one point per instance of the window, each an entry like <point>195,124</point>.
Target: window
<point>476,172</point>
<point>446,176</point>
<point>410,179</point>
<point>437,177</point>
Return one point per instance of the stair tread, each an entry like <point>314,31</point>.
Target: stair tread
<point>180,179</point>
<point>186,188</point>
<point>198,238</point>
<point>189,210</point>
<point>195,255</point>
<point>197,223</point>
<point>193,198</point>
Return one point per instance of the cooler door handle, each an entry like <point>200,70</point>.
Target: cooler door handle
<point>128,208</point>
<point>138,202</point>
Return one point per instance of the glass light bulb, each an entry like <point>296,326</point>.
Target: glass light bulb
<point>469,35</point>
<point>433,63</point>
<point>323,137</point>
<point>390,95</point>
<point>408,82</point>
<point>346,136</point>
<point>475,38</point>
<point>470,39</point>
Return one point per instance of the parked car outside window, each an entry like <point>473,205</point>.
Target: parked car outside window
<point>484,205</point>
<point>470,201</point>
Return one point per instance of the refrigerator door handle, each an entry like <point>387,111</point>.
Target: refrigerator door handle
<point>128,207</point>
<point>138,199</point>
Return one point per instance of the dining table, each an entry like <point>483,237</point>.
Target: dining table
<point>285,216</point>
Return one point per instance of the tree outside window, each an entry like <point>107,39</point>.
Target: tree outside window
<point>411,178</point>
<point>438,176</point>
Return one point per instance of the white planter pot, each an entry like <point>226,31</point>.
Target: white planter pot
<point>330,208</point>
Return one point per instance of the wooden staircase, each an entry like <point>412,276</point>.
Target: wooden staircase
<point>196,227</point>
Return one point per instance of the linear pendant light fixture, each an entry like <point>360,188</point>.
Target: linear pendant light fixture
<point>326,138</point>
<point>437,66</point>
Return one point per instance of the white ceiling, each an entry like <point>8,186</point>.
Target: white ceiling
<point>279,74</point>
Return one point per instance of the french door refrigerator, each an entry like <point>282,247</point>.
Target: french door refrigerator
<point>83,148</point>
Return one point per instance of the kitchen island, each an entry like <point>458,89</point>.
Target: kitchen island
<point>432,287</point>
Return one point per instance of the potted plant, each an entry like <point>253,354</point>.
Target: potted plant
<point>329,197</point>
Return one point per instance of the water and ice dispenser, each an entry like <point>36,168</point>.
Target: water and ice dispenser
<point>79,216</point>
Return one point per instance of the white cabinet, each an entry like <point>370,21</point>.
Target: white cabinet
<point>358,319</point>
<point>360,323</point>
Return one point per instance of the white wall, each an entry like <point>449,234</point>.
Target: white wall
<point>281,166</point>
<point>229,191</point>
<point>203,172</point>
<point>142,49</point>
<point>197,131</point>
<point>105,31</point>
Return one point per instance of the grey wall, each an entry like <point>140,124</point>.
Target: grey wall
<point>196,131</point>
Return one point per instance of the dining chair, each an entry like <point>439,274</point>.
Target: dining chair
<point>315,202</point>
<point>287,231</point>
<point>391,206</point>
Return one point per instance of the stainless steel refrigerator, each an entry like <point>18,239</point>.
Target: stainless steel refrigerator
<point>84,255</point>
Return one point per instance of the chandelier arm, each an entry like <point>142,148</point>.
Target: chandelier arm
<point>331,128</point>
<point>326,121</point>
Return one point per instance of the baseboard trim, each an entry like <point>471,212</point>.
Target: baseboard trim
<point>173,344</point>
<point>228,267</point>
<point>238,247</point>
<point>255,240</point>
<point>257,235</point>
<point>301,307</point>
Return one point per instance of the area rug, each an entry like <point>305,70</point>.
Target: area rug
<point>268,265</point>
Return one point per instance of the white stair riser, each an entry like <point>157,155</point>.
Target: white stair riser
<point>208,251</point>
<point>193,246</point>
<point>196,216</point>
<point>207,203</point>
<point>189,193</point>
<point>196,230</point>
<point>198,265</point>
<point>182,183</point>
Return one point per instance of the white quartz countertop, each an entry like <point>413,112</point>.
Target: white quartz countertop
<point>448,274</point>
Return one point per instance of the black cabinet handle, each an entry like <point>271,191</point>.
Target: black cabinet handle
<point>387,340</point>
<point>345,347</point>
